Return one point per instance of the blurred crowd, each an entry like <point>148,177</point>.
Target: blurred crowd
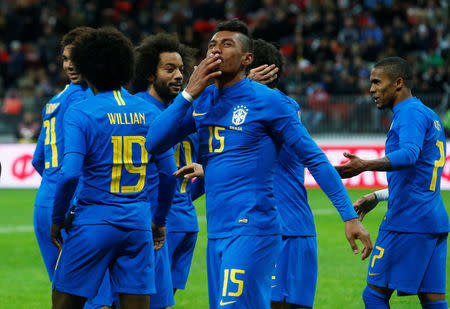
<point>328,46</point>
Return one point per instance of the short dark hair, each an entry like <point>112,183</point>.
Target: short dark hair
<point>240,27</point>
<point>266,53</point>
<point>104,57</point>
<point>395,67</point>
<point>70,36</point>
<point>148,56</point>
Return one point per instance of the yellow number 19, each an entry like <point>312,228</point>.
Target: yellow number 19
<point>122,155</point>
<point>437,164</point>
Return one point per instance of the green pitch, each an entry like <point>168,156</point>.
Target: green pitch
<point>24,282</point>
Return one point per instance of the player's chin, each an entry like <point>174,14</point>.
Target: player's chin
<point>76,79</point>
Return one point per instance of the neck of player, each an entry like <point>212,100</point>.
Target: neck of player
<point>227,80</point>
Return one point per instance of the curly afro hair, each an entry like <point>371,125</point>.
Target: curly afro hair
<point>148,57</point>
<point>70,36</point>
<point>104,57</point>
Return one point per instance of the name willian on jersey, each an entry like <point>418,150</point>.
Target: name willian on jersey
<point>126,118</point>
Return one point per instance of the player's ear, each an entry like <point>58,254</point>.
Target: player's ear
<point>247,59</point>
<point>399,84</point>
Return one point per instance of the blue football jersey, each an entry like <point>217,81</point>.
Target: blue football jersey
<point>241,129</point>
<point>290,194</point>
<point>415,202</point>
<point>182,216</point>
<point>50,145</point>
<point>110,130</point>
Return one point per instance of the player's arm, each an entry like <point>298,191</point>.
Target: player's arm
<point>67,183</point>
<point>177,122</point>
<point>71,170</point>
<point>411,136</point>
<point>366,203</point>
<point>287,128</point>
<point>38,161</point>
<point>329,181</point>
<point>264,74</point>
<point>166,189</point>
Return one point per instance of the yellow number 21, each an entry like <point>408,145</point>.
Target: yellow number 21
<point>437,164</point>
<point>50,138</point>
<point>122,155</point>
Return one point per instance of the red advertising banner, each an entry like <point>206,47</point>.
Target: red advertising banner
<point>17,171</point>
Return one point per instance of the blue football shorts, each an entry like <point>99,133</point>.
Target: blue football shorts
<point>42,221</point>
<point>181,249</point>
<point>104,295</point>
<point>91,249</point>
<point>295,276</point>
<point>409,262</point>
<point>163,297</point>
<point>240,269</point>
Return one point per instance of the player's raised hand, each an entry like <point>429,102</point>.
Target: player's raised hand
<point>365,204</point>
<point>55,234</point>
<point>264,74</point>
<point>353,167</point>
<point>190,171</point>
<point>159,236</point>
<point>355,230</point>
<point>203,75</point>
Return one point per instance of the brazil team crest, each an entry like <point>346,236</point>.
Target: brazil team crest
<point>239,114</point>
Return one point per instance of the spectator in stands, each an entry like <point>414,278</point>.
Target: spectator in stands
<point>28,129</point>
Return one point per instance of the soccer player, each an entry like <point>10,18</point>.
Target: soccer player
<point>161,61</point>
<point>413,234</point>
<point>241,125</point>
<point>50,149</point>
<point>47,159</point>
<point>104,152</point>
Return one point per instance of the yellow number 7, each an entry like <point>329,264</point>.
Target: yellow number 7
<point>188,156</point>
<point>437,164</point>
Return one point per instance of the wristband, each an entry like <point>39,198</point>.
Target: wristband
<point>187,96</point>
<point>382,195</point>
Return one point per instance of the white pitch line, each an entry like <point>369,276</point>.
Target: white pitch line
<point>201,219</point>
<point>16,229</point>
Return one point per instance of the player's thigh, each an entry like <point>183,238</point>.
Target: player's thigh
<point>104,295</point>
<point>434,279</point>
<point>133,268</point>
<point>393,257</point>
<point>86,254</point>
<point>296,271</point>
<point>181,250</point>
<point>246,271</point>
<point>42,224</point>
<point>163,297</point>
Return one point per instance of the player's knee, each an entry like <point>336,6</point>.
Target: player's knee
<point>440,304</point>
<point>375,300</point>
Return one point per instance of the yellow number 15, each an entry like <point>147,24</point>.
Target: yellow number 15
<point>122,155</point>
<point>437,164</point>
